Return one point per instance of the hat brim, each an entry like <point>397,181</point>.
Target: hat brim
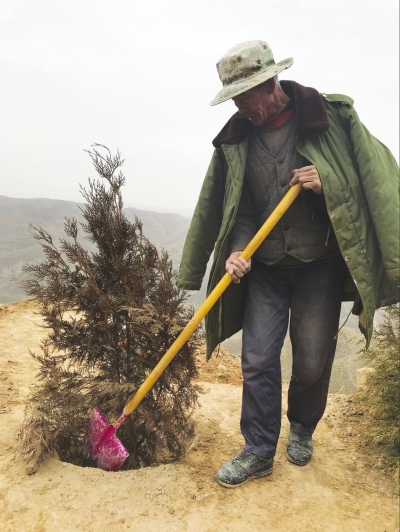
<point>236,88</point>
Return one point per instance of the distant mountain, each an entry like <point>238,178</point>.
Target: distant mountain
<point>18,247</point>
<point>186,213</point>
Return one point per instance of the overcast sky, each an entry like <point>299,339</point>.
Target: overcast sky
<point>139,76</point>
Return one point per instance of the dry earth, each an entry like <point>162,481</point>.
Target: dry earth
<point>334,492</point>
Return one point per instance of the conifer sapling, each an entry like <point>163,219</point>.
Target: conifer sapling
<point>112,313</point>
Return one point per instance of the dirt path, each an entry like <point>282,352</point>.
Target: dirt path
<point>334,492</point>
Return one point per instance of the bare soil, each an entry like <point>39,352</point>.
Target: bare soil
<point>336,491</point>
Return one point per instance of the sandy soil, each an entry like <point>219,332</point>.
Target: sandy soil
<point>334,492</point>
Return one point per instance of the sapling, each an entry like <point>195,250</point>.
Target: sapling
<point>112,309</point>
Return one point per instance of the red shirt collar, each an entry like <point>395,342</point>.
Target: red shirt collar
<point>279,119</point>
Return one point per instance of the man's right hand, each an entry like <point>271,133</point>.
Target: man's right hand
<point>237,267</point>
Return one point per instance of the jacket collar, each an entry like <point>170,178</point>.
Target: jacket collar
<point>311,116</point>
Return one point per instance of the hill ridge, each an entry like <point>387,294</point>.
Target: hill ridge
<point>17,246</point>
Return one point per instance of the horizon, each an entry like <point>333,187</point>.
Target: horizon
<point>184,213</point>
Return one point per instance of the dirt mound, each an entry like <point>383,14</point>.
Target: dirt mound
<point>334,492</point>
<point>222,368</point>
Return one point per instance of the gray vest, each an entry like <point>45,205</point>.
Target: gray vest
<point>303,231</point>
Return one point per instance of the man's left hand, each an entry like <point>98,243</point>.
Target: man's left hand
<point>308,177</point>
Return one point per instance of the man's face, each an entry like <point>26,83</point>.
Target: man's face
<point>257,104</point>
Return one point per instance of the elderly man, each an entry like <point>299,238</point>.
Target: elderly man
<point>338,241</point>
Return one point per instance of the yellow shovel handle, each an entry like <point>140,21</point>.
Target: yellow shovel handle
<point>226,280</point>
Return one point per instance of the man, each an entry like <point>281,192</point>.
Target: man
<point>338,241</point>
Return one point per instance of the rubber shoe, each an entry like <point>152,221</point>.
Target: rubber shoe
<point>299,449</point>
<point>242,468</point>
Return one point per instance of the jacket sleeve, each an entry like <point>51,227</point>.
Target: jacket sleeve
<point>204,227</point>
<point>379,175</point>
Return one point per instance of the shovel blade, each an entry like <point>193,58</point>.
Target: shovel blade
<point>102,445</point>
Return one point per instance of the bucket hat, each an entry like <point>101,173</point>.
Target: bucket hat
<point>245,66</point>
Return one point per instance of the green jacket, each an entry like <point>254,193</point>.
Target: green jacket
<point>360,179</point>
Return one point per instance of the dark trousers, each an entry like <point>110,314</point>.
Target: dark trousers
<point>312,294</point>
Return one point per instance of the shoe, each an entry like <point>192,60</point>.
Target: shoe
<point>242,468</point>
<point>299,449</point>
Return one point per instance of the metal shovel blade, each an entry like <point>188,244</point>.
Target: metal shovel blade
<point>102,446</point>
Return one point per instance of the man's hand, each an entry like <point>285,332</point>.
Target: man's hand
<point>308,177</point>
<point>237,267</point>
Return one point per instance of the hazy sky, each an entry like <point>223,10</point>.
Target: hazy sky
<point>139,76</point>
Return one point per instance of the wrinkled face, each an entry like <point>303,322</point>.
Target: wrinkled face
<point>258,104</point>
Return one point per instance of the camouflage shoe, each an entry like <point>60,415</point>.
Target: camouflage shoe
<point>242,468</point>
<point>299,449</point>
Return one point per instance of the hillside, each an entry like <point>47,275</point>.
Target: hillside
<point>17,245</point>
<point>335,492</point>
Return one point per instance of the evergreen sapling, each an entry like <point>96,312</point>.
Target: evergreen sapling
<point>112,313</point>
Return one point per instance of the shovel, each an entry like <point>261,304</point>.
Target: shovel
<point>101,445</point>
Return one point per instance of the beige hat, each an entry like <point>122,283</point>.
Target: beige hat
<point>245,66</point>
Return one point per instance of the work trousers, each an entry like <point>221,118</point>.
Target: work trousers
<point>311,295</point>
